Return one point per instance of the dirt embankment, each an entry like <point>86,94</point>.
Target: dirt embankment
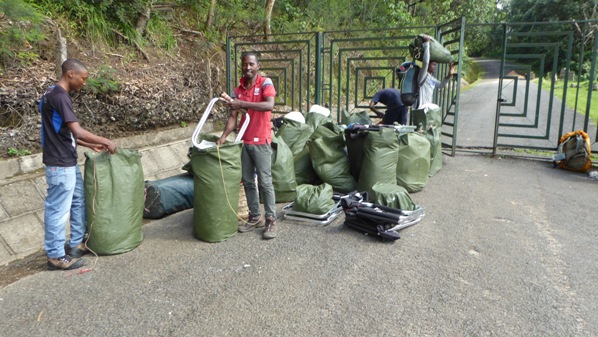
<point>167,92</point>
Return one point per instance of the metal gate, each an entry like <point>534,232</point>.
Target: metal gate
<point>344,69</point>
<point>536,67</point>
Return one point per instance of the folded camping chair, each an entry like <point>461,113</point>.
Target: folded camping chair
<point>376,219</point>
<point>356,128</point>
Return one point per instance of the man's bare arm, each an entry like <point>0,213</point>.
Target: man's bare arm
<point>89,139</point>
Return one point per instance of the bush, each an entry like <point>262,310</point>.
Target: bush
<point>21,27</point>
<point>104,82</point>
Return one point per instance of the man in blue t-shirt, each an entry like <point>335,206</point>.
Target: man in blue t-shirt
<point>65,201</point>
<point>395,110</point>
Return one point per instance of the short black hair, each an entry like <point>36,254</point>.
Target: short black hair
<point>72,64</point>
<point>250,53</point>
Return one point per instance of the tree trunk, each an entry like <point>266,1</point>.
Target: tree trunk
<point>210,18</point>
<point>267,28</point>
<point>61,54</point>
<point>144,17</point>
<point>209,77</point>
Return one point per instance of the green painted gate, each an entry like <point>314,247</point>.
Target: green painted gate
<point>344,69</point>
<point>537,67</point>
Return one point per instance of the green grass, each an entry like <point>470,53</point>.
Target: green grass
<point>14,152</point>
<point>582,100</point>
<point>540,153</point>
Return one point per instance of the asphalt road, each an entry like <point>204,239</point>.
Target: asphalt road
<point>477,108</point>
<point>507,248</point>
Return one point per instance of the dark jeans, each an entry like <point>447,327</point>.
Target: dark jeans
<point>257,159</point>
<point>396,114</point>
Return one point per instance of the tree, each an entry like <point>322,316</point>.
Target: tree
<point>144,17</point>
<point>267,27</point>
<point>210,18</point>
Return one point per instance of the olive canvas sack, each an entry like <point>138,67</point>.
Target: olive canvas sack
<point>114,203</point>
<point>438,53</point>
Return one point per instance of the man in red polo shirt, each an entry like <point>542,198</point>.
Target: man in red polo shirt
<point>255,95</point>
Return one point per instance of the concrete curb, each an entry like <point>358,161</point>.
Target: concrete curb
<point>23,186</point>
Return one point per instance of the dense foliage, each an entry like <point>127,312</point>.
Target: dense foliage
<point>25,23</point>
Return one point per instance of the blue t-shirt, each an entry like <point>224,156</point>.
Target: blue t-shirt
<point>390,97</point>
<point>59,144</point>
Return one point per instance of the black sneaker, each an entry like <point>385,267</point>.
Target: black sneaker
<point>65,263</point>
<point>77,251</point>
<point>254,221</point>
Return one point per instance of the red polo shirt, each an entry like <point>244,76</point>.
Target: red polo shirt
<point>259,131</point>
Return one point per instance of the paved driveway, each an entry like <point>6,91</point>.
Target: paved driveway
<point>507,248</point>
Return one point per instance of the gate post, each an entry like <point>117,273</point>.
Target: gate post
<point>229,87</point>
<point>591,83</point>
<point>499,99</point>
<point>318,88</point>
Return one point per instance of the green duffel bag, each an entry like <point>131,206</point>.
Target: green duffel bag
<point>217,181</point>
<point>380,156</point>
<point>283,171</point>
<point>328,129</point>
<point>413,165</point>
<point>331,163</point>
<point>304,170</point>
<point>294,134</point>
<point>427,118</point>
<point>434,136</point>
<point>391,195</point>
<point>438,53</point>
<point>114,201</point>
<point>359,117</point>
<point>315,119</point>
<point>314,199</point>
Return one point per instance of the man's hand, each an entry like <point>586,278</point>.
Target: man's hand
<point>377,112</point>
<point>221,141</point>
<point>111,147</point>
<point>225,97</point>
<point>234,104</point>
<point>427,38</point>
<point>97,147</point>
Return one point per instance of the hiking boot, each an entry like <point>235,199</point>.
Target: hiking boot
<point>77,251</point>
<point>270,231</point>
<point>254,221</point>
<point>65,263</point>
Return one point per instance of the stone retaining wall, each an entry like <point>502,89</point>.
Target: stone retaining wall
<point>23,186</point>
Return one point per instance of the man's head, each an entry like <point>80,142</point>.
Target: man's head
<point>74,74</point>
<point>250,65</point>
<point>432,67</point>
